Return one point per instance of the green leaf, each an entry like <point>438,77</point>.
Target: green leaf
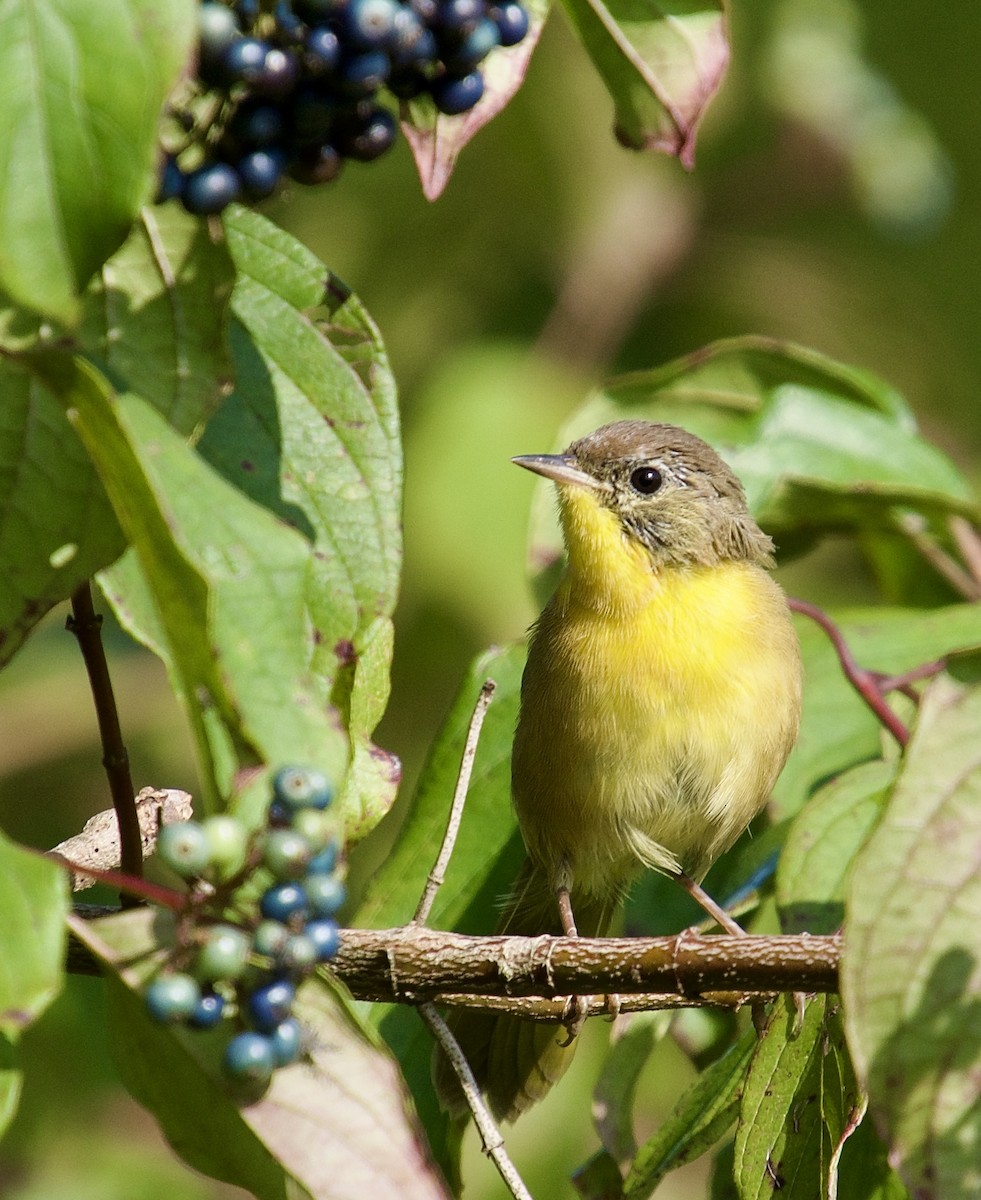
<point>910,965</point>
<point>613,1096</point>
<point>34,901</point>
<point>799,1098</point>
<point>224,577</point>
<point>699,1119</point>
<point>84,87</point>
<point>661,62</point>
<point>155,317</point>
<point>312,434</point>
<point>56,526</point>
<point>819,446</point>
<point>436,139</point>
<point>156,314</point>
<point>822,845</point>
<point>335,1126</point>
<point>484,864</point>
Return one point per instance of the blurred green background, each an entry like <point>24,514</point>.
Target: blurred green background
<point>836,201</point>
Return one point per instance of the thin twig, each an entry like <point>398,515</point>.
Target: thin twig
<point>438,873</point>
<point>969,543</point>
<point>487,1127</point>
<point>914,527</point>
<point>866,683</point>
<point>86,625</point>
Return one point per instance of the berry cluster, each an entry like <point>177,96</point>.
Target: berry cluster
<point>295,86</point>
<point>250,969</point>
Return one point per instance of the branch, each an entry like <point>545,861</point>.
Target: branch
<point>412,964</point>
<point>97,846</point>
<point>915,528</point>
<point>490,1135</point>
<point>86,625</point>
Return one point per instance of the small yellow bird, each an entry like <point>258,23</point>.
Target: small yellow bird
<point>659,702</point>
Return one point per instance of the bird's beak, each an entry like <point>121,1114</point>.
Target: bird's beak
<point>561,469</point>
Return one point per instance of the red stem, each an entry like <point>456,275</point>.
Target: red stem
<point>867,683</point>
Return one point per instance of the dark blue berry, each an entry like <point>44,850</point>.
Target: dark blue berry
<point>368,24</point>
<point>210,189</point>
<point>282,901</point>
<point>321,50</point>
<point>248,11</point>
<point>511,19</point>
<point>325,894</point>
<point>171,181</point>
<point>411,42</point>
<point>208,1011</point>
<point>278,816</point>
<point>458,16</point>
<point>368,138</point>
<point>249,1057</point>
<point>280,71</point>
<point>217,29</point>
<point>303,787</point>
<point>260,171</point>
<point>271,1003</point>
<point>311,119</point>
<point>453,95</point>
<point>287,1042</point>
<point>425,10</point>
<point>316,165</point>
<point>244,60</point>
<point>362,74</point>
<point>473,48</point>
<point>325,936</point>
<point>324,862</point>
<point>172,998</point>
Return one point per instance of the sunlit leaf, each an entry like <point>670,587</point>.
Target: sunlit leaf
<point>74,112</point>
<point>911,978</point>
<point>799,1096</point>
<point>661,62</point>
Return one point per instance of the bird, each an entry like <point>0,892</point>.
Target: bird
<point>660,699</point>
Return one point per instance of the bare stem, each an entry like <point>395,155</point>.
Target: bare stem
<point>969,543</point>
<point>438,873</point>
<point>86,625</point>
<point>866,683</point>
<point>914,528</point>
<point>489,1133</point>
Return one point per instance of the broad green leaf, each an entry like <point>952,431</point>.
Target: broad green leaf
<point>799,1097</point>
<point>311,433</point>
<point>485,861</point>
<point>700,1118</point>
<point>436,139</point>
<point>56,525</point>
<point>84,85</point>
<point>911,978</point>
<point>822,844</point>
<point>34,900</point>
<point>227,583</point>
<point>156,316</point>
<point>661,62</point>
<point>819,446</point>
<point>613,1097</point>
<point>864,1172</point>
<point>336,1126</point>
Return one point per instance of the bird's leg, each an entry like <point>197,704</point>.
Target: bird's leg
<point>715,911</point>
<point>577,1005</point>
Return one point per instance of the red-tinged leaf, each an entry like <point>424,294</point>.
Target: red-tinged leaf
<point>436,139</point>
<point>661,62</point>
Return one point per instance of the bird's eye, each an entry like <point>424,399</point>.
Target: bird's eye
<point>646,480</point>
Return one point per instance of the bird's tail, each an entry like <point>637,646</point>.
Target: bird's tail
<point>516,1062</point>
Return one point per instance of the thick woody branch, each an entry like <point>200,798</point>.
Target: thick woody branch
<point>414,964</point>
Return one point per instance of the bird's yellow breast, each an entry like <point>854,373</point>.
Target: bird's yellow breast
<point>658,707</point>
